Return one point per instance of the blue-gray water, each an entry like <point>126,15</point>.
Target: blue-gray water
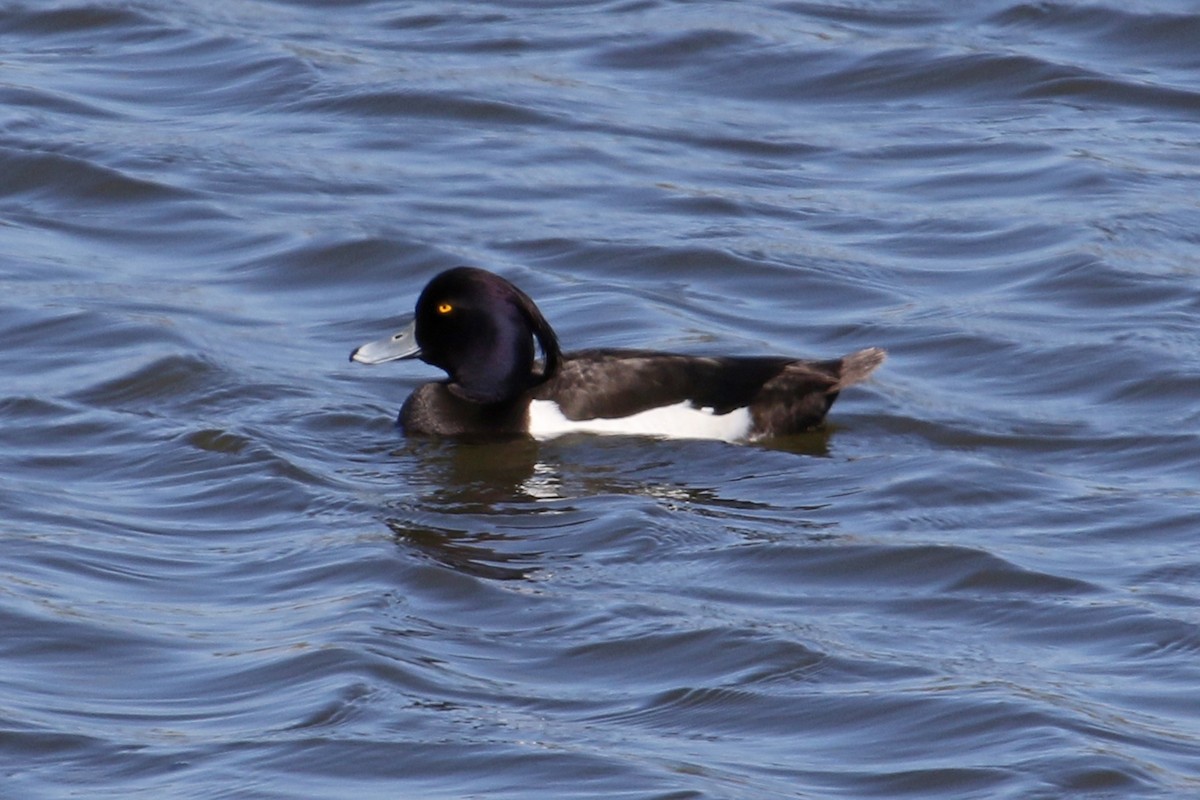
<point>226,574</point>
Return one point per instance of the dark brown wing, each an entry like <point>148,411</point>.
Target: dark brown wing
<point>616,383</point>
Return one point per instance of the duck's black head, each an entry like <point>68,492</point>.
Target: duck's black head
<point>480,329</point>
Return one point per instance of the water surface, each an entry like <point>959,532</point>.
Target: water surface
<point>227,574</point>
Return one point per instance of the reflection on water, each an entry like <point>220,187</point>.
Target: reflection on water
<point>471,552</point>
<point>465,492</point>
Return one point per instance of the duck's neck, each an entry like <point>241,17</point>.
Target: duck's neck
<point>499,372</point>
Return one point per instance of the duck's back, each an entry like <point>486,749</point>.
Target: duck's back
<point>777,395</point>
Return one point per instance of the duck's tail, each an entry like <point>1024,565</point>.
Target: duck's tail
<point>857,367</point>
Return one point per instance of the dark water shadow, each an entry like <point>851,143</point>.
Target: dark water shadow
<point>479,507</point>
<point>459,486</point>
<point>809,443</point>
<point>467,552</point>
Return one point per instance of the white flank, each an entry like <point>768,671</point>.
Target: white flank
<point>680,421</point>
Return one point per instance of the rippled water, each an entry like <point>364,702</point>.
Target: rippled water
<point>226,574</point>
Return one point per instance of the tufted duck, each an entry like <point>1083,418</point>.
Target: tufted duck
<point>481,329</point>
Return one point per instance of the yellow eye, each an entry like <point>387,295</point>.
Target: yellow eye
<point>445,308</point>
